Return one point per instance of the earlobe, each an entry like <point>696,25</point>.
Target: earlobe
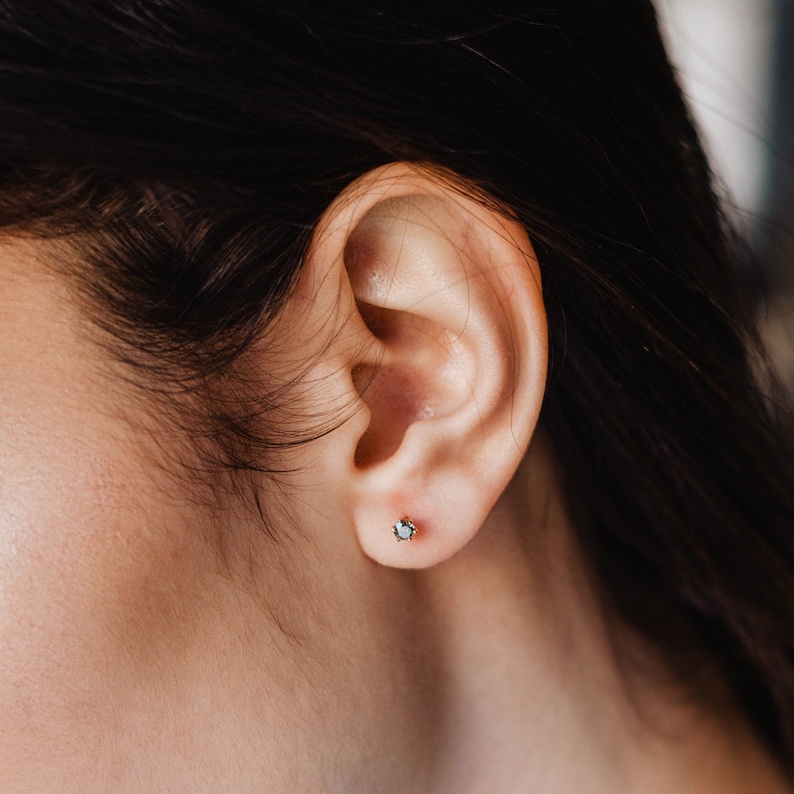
<point>448,291</point>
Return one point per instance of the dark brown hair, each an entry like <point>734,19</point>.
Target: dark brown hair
<point>186,148</point>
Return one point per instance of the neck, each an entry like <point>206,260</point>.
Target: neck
<point>534,697</point>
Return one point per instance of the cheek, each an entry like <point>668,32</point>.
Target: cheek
<point>72,527</point>
<point>90,574</point>
<point>101,564</point>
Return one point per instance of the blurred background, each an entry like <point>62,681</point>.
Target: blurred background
<point>736,63</point>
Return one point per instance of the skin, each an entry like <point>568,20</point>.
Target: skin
<point>140,653</point>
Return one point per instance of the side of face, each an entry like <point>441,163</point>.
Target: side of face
<point>148,635</point>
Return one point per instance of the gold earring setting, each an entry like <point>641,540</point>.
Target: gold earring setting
<point>404,529</point>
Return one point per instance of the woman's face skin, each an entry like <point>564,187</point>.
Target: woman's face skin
<point>147,642</point>
<point>151,641</point>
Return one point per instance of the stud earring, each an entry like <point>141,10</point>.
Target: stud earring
<point>404,529</point>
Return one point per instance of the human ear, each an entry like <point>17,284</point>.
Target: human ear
<point>449,360</point>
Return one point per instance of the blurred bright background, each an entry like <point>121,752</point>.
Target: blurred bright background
<point>736,66</point>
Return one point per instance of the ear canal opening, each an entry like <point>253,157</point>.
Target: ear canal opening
<point>413,382</point>
<point>387,393</point>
